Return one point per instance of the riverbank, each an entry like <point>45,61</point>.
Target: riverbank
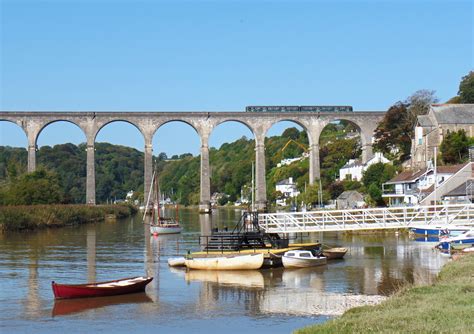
<point>446,306</point>
<point>32,217</point>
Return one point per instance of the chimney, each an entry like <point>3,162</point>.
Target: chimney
<point>291,180</point>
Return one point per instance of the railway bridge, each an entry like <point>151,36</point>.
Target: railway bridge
<point>203,123</point>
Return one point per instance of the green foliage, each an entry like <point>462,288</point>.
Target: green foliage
<point>374,177</point>
<point>455,147</point>
<point>16,218</point>
<point>466,88</point>
<point>443,307</point>
<point>40,187</point>
<point>393,134</point>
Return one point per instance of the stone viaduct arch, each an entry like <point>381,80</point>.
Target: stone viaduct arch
<point>203,122</point>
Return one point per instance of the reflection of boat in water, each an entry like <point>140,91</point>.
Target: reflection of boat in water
<point>100,289</point>
<point>243,278</point>
<point>302,259</point>
<point>70,306</point>
<point>239,262</point>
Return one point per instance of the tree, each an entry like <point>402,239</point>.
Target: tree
<point>455,147</point>
<point>39,187</point>
<point>419,104</point>
<point>393,134</point>
<point>466,88</point>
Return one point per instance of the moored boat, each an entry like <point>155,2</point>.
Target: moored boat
<point>176,261</point>
<point>239,262</point>
<point>463,240</point>
<point>439,230</point>
<point>335,253</point>
<point>302,259</point>
<point>100,289</point>
<point>158,224</point>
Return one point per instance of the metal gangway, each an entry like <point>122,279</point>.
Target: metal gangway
<point>367,219</point>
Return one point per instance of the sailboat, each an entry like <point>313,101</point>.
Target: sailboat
<point>158,224</point>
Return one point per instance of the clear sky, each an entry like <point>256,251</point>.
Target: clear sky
<point>112,55</point>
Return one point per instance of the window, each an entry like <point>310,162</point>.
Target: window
<point>305,255</point>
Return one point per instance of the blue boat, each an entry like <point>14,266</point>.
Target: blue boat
<point>466,238</point>
<point>439,230</point>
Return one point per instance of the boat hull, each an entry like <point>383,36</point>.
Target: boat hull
<point>163,229</point>
<point>438,230</point>
<point>100,289</point>
<point>243,262</point>
<point>177,262</point>
<point>335,253</point>
<point>292,262</point>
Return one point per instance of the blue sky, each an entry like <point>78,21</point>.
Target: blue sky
<point>221,56</point>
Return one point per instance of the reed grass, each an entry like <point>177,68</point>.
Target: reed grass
<point>31,217</point>
<point>446,306</point>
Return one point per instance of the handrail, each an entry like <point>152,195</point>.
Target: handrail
<point>368,218</point>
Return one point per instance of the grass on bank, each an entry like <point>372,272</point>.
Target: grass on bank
<point>30,217</point>
<point>447,306</point>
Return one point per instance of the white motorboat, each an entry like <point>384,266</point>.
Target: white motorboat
<point>302,259</point>
<point>239,262</point>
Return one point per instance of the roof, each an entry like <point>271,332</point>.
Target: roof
<point>425,121</point>
<point>413,175</point>
<point>461,190</point>
<point>285,182</point>
<point>352,163</point>
<point>348,193</point>
<point>453,113</point>
<point>407,176</point>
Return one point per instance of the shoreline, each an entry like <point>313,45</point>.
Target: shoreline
<point>444,306</point>
<point>36,217</point>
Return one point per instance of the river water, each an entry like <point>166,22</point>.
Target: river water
<point>176,301</point>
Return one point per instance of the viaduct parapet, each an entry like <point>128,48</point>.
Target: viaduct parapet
<point>203,123</point>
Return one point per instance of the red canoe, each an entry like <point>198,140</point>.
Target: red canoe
<point>100,289</point>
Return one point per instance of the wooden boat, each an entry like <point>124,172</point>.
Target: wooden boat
<point>334,253</point>
<point>302,259</point>
<point>158,224</point>
<point>77,305</point>
<point>240,262</point>
<point>100,289</point>
<point>176,261</point>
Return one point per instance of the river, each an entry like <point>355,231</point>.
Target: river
<point>176,301</point>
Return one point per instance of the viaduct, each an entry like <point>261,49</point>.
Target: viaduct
<point>203,123</point>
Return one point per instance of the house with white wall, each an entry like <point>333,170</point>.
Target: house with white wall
<point>288,189</point>
<point>354,168</point>
<point>410,187</point>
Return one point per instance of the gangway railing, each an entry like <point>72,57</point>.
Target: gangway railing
<point>367,219</point>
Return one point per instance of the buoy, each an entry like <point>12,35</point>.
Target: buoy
<point>155,234</point>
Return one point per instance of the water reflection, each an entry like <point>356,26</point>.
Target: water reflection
<point>375,265</point>
<point>71,306</point>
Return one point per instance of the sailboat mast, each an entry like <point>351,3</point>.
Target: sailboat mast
<point>158,200</point>
<point>149,195</point>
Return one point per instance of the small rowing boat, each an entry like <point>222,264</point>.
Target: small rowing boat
<point>240,262</point>
<point>100,289</point>
<point>335,253</point>
<point>302,259</point>
<point>177,261</point>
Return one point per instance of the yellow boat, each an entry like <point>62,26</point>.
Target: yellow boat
<point>240,262</point>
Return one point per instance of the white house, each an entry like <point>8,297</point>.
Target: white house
<point>288,188</point>
<point>354,168</point>
<point>412,186</point>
